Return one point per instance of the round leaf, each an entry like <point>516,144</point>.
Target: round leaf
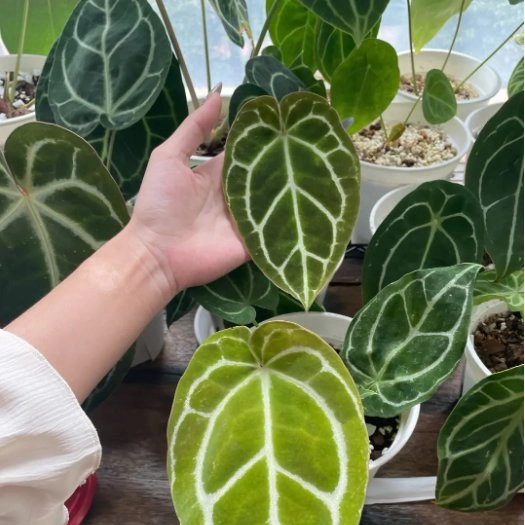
<point>439,99</point>
<point>291,179</point>
<point>267,427</point>
<point>365,83</point>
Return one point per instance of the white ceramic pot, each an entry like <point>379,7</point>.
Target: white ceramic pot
<point>478,118</point>
<point>332,328</point>
<point>475,370</point>
<point>32,64</point>
<point>486,81</point>
<point>377,180</point>
<point>151,341</point>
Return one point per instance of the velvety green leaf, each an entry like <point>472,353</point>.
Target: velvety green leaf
<point>429,16</point>
<point>272,51</point>
<point>292,31</point>
<point>508,289</point>
<point>439,99</point>
<point>272,76</point>
<point>306,76</point>
<point>234,17</point>
<point>267,427</point>
<point>241,95</point>
<point>365,83</point>
<point>109,65</point>
<point>291,179</point>
<point>494,174</point>
<point>44,23</point>
<point>179,306</point>
<point>355,17</point>
<point>235,296</point>
<point>515,84</point>
<point>59,205</point>
<point>437,224</point>
<point>480,447</point>
<point>410,337</point>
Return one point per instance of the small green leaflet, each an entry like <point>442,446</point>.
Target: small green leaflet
<point>234,17</point>
<point>438,224</point>
<point>291,180</point>
<point>439,99</point>
<point>508,289</point>
<point>480,447</point>
<point>365,84</point>
<point>515,84</point>
<point>267,427</point>
<point>410,337</point>
<point>494,175</point>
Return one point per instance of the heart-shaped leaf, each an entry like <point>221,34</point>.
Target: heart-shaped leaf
<point>241,95</point>
<point>508,289</point>
<point>437,224</point>
<point>355,17</point>
<point>109,65</point>
<point>429,16</point>
<point>410,337</point>
<point>272,76</point>
<point>267,427</point>
<point>439,99</point>
<point>235,296</point>
<point>234,17</point>
<point>59,205</point>
<point>515,84</point>
<point>291,179</point>
<point>480,447</point>
<point>494,174</point>
<point>365,83</point>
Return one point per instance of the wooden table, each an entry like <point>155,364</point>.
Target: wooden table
<point>132,482</point>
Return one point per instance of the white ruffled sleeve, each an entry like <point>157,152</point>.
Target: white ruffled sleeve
<point>48,446</point>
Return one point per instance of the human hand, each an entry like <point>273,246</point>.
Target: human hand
<point>180,214</point>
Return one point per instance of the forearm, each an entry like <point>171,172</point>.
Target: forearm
<point>84,325</point>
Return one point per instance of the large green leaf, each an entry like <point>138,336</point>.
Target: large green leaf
<point>429,16</point>
<point>439,99</point>
<point>480,447</point>
<point>234,17</point>
<point>44,23</point>
<point>310,81</point>
<point>271,75</point>
<point>508,289</point>
<point>365,84</point>
<point>494,174</point>
<point>267,427</point>
<point>292,31</point>
<point>437,224</point>
<point>515,84</point>
<point>291,179</point>
<point>355,17</point>
<point>109,65</point>
<point>410,337</point>
<point>235,296</point>
<point>59,204</point>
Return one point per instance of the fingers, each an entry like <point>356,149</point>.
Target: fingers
<point>195,129</point>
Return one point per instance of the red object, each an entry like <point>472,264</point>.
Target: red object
<point>80,501</point>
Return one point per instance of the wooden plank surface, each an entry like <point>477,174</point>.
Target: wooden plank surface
<point>132,482</point>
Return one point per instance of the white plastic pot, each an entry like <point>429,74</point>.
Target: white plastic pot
<point>332,328</point>
<point>477,119</point>
<point>486,81</point>
<point>32,64</point>
<point>475,370</point>
<point>377,180</point>
<point>151,341</point>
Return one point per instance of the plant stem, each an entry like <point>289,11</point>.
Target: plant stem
<point>178,53</point>
<point>410,41</point>
<point>383,126</point>
<point>206,47</point>
<point>265,27</point>
<point>21,43</point>
<point>111,145</point>
<point>490,56</point>
<point>460,17</point>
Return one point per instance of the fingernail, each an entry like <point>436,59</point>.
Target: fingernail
<point>215,89</point>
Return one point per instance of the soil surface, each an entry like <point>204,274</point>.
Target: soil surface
<point>25,95</point>
<point>212,150</point>
<point>381,433</point>
<point>465,92</point>
<point>499,341</point>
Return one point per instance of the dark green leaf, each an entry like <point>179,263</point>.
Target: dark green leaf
<point>179,306</point>
<point>234,17</point>
<point>515,84</point>
<point>508,289</point>
<point>438,224</point>
<point>365,83</point>
<point>439,99</point>
<point>306,76</point>
<point>241,95</point>
<point>272,51</point>
<point>480,447</point>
